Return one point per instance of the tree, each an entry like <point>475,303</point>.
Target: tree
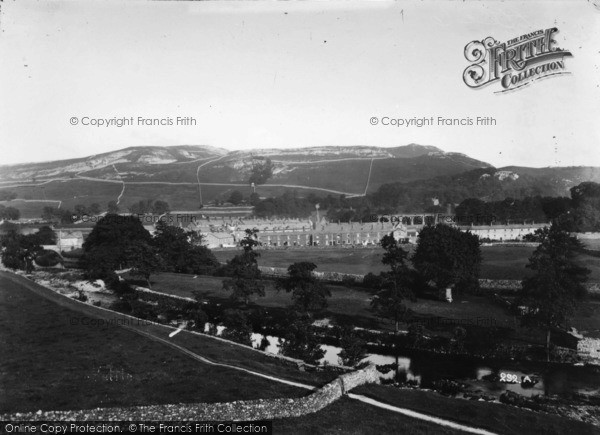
<point>553,292</point>
<point>448,257</point>
<point>160,207</point>
<point>181,250</point>
<point>144,260</point>
<point>112,207</point>
<point>94,208</point>
<point>586,202</point>
<point>394,284</point>
<point>46,236</point>
<point>308,293</point>
<point>236,197</point>
<point>110,244</point>
<point>80,210</point>
<point>353,348</point>
<point>7,196</point>
<point>245,276</point>
<point>301,343</point>
<point>9,213</point>
<point>261,172</point>
<point>238,327</point>
<point>254,198</point>
<point>19,250</point>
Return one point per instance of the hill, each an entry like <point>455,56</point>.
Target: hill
<point>187,175</point>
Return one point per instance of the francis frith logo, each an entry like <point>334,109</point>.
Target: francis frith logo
<point>515,63</point>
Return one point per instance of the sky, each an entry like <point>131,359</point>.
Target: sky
<point>290,74</point>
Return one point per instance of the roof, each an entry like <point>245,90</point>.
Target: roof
<point>502,227</point>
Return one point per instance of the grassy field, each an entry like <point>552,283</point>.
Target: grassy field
<point>354,304</point>
<point>347,416</point>
<point>499,262</point>
<point>494,417</point>
<point>54,358</point>
<point>344,301</point>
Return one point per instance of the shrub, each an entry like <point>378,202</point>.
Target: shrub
<point>48,258</point>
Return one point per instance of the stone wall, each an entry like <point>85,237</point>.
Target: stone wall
<point>263,409</point>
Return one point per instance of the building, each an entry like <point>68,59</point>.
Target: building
<point>67,240</point>
<point>503,232</point>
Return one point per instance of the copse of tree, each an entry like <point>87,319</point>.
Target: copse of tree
<point>46,236</point>
<point>18,250</point>
<point>536,208</point>
<point>182,251</point>
<point>299,342</point>
<point>261,171</point>
<point>7,195</point>
<point>149,206</point>
<point>236,197</point>
<point>586,204</point>
<point>290,204</point>
<point>55,214</point>
<point>84,210</point>
<point>110,244</point>
<point>245,278</point>
<point>448,257</point>
<point>308,293</point>
<point>144,260</point>
<point>9,213</point>
<point>237,327</point>
<point>553,292</point>
<point>353,348</point>
<point>112,207</point>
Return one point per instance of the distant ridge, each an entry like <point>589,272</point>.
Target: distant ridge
<point>186,175</point>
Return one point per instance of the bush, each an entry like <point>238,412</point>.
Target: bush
<point>372,281</point>
<point>48,258</point>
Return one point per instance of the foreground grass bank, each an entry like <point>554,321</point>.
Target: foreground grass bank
<point>494,417</point>
<point>54,358</point>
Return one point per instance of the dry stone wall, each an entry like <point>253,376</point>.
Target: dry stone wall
<point>263,409</point>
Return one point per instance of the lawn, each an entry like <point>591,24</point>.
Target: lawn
<point>347,416</point>
<point>494,417</point>
<point>54,358</point>
<point>354,304</point>
<point>499,262</point>
<point>343,300</point>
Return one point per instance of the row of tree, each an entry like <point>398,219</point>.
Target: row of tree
<point>119,242</point>
<point>20,250</point>
<point>9,213</point>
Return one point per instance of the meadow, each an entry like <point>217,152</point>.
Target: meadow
<point>498,262</point>
<point>54,358</point>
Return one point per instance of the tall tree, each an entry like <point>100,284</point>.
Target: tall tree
<point>308,293</point>
<point>181,250</point>
<point>395,284</point>
<point>46,236</point>
<point>448,257</point>
<point>112,207</point>
<point>108,247</point>
<point>553,292</point>
<point>144,260</point>
<point>245,278</point>
<point>261,171</point>
<point>236,197</point>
